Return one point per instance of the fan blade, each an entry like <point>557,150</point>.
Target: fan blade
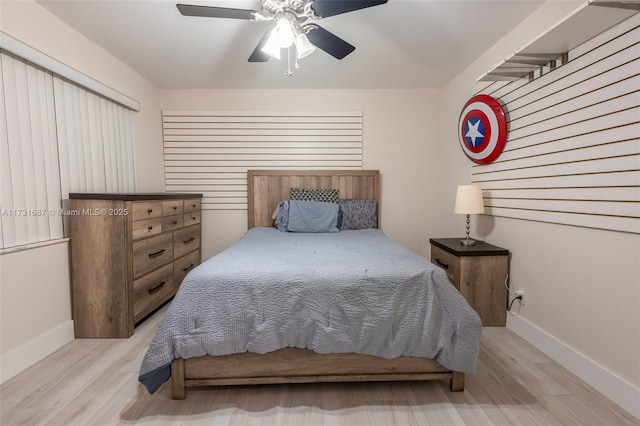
<point>329,42</point>
<point>216,12</point>
<point>258,55</point>
<point>325,8</point>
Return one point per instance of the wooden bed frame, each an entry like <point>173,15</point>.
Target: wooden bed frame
<point>266,188</point>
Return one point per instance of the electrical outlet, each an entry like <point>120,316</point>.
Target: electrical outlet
<point>520,293</point>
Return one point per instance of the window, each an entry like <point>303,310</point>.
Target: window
<point>55,137</point>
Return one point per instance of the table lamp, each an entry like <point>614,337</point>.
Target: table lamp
<point>469,201</point>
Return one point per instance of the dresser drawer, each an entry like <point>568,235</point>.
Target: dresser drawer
<point>191,205</point>
<point>151,253</point>
<point>447,261</point>
<point>150,289</point>
<point>182,266</point>
<point>141,210</point>
<point>191,218</point>
<point>186,240</point>
<point>172,207</point>
<point>170,223</point>
<point>147,228</point>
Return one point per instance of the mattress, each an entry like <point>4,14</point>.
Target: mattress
<point>347,292</point>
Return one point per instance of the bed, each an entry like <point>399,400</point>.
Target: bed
<point>219,330</point>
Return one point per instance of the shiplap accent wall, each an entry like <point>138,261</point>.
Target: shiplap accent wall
<point>573,151</point>
<point>209,152</point>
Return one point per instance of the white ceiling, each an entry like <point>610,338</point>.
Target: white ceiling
<point>403,44</point>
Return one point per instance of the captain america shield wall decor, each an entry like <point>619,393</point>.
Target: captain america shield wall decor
<point>482,129</point>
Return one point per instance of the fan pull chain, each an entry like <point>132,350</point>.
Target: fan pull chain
<point>289,72</point>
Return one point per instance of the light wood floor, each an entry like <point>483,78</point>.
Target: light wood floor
<point>94,382</point>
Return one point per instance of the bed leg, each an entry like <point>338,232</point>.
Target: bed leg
<point>457,381</point>
<point>178,389</point>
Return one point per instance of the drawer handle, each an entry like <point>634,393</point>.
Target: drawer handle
<point>175,222</point>
<point>156,254</point>
<point>175,207</point>
<point>441,263</point>
<point>149,211</point>
<point>193,205</point>
<point>189,267</point>
<point>193,218</point>
<point>156,288</point>
<point>190,240</point>
<point>150,227</point>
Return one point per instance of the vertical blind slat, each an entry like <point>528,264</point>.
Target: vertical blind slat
<point>28,122</point>
<point>7,224</point>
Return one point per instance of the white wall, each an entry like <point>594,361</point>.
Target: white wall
<point>35,316</point>
<point>582,285</point>
<point>398,140</point>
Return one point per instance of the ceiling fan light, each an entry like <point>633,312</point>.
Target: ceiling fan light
<point>284,32</point>
<point>304,47</point>
<point>272,46</point>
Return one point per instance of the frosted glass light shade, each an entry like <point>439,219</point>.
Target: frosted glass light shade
<point>303,46</point>
<point>284,33</point>
<point>469,200</point>
<point>272,47</point>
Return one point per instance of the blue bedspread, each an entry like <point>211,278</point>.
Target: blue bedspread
<point>352,291</point>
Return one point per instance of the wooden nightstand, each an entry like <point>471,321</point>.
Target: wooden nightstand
<point>479,273</point>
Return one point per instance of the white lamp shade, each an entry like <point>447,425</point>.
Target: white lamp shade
<point>272,46</point>
<point>469,200</point>
<point>303,46</point>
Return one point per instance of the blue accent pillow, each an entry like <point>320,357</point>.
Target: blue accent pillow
<point>358,214</point>
<point>312,216</point>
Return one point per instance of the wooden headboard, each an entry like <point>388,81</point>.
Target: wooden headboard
<point>268,187</point>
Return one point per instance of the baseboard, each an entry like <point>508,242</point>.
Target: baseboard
<point>27,355</point>
<point>604,381</point>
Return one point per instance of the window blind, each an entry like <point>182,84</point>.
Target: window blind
<point>55,137</point>
<point>95,137</point>
<point>30,184</point>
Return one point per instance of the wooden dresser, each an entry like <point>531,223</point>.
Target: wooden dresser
<point>479,273</point>
<point>129,254</point>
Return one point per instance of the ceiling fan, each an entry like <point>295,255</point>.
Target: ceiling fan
<point>289,16</point>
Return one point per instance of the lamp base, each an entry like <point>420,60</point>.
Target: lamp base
<point>468,242</point>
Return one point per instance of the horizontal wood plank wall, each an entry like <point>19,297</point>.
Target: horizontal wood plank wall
<point>573,151</point>
<point>209,152</point>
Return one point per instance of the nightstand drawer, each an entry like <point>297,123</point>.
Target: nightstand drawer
<point>448,262</point>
